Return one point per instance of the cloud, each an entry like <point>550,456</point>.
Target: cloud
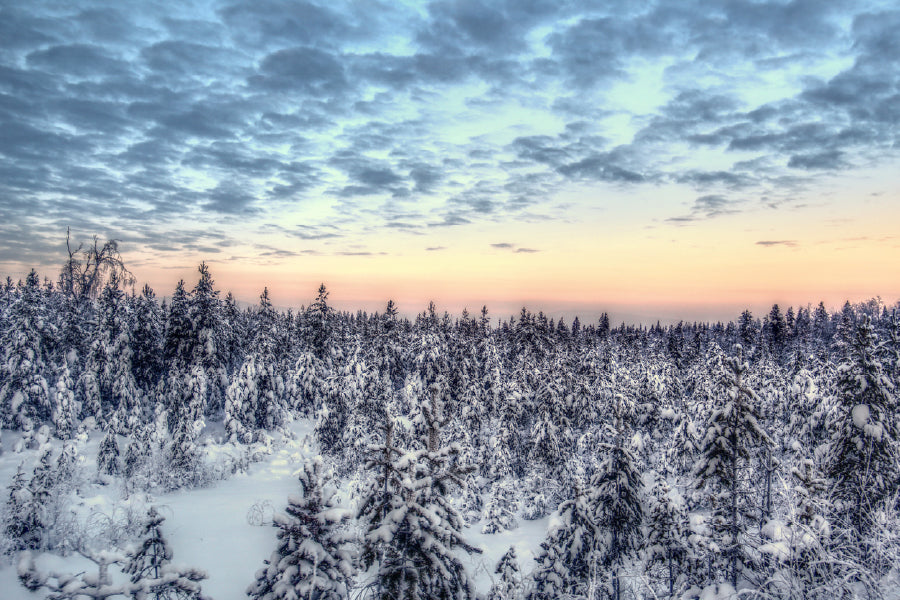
<point>82,60</point>
<point>828,160</point>
<point>449,113</point>
<point>232,198</point>
<point>435,248</point>
<point>770,243</point>
<point>707,207</point>
<point>601,167</point>
<point>514,248</point>
<point>451,221</point>
<point>301,69</point>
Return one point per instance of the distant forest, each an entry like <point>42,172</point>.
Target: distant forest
<point>759,454</point>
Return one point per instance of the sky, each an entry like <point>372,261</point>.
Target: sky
<point>669,160</point>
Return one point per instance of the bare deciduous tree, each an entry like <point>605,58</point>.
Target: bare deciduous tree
<point>87,269</point>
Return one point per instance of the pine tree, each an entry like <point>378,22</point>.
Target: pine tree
<point>733,433</point>
<point>811,572</point>
<point>567,563</point>
<point>137,453</point>
<point>209,358</point>
<point>25,393</point>
<point>256,398</point>
<point>32,508</point>
<point>151,573</point>
<point>667,533</point>
<point>308,389</point>
<point>185,422</point>
<point>313,558</point>
<point>318,316</point>
<point>862,459</point>
<point>108,456</point>
<point>499,514</point>
<point>23,524</point>
<point>65,411</point>
<point>412,529</point>
<point>109,389</point>
<point>178,348</point>
<point>506,587</point>
<point>147,340</point>
<point>616,494</point>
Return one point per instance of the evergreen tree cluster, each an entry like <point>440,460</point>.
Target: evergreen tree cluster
<point>758,454</point>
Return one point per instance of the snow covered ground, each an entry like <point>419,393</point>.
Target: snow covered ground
<point>225,529</point>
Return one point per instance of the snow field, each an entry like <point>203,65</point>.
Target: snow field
<point>225,529</point>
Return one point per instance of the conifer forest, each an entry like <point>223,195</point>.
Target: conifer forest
<point>447,457</point>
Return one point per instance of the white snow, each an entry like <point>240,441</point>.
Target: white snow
<point>860,414</point>
<point>210,528</point>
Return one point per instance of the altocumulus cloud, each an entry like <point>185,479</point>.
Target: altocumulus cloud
<point>375,115</point>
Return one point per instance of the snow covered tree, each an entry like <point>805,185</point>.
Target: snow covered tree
<point>108,456</point>
<point>152,575</point>
<point>23,525</point>
<point>550,435</point>
<point>88,268</point>
<point>108,385</point>
<point>314,557</point>
<point>809,570</point>
<point>616,494</point>
<point>65,411</point>
<point>209,359</point>
<point>256,398</point>
<point>178,347</point>
<point>27,510</point>
<point>567,563</point>
<point>147,340</point>
<point>683,446</point>
<point>412,529</point>
<point>509,577</point>
<point>667,533</point>
<point>307,388</point>
<point>184,421</point>
<point>862,458</point>
<point>733,434</point>
<point>499,514</point>
<point>137,454</point>
<point>318,316</point>
<point>66,586</point>
<point>25,392</point>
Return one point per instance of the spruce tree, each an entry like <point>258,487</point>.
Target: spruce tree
<point>499,514</point>
<point>616,494</point>
<point>25,392</point>
<point>667,533</point>
<point>567,562</point>
<point>108,455</point>
<point>314,557</point>
<point>256,398</point>
<point>412,529</point>
<point>152,575</point>
<point>147,340</point>
<point>508,577</point>
<point>65,411</point>
<point>863,453</point>
<point>209,358</point>
<point>733,434</point>
<point>23,524</point>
